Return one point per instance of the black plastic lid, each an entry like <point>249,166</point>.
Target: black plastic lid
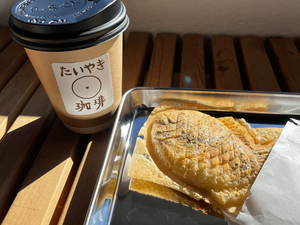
<point>62,25</point>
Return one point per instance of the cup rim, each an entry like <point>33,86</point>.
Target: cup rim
<point>62,42</point>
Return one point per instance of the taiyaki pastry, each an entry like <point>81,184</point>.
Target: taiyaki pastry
<point>189,157</point>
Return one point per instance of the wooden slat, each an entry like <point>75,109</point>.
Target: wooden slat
<point>260,74</point>
<point>15,95</point>
<point>78,201</point>
<point>21,144</point>
<point>49,179</point>
<point>136,59</point>
<point>162,61</point>
<point>288,61</point>
<point>226,69</point>
<point>5,38</point>
<point>11,60</point>
<point>176,80</point>
<point>192,73</point>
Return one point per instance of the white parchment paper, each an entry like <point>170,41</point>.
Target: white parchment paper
<point>275,195</point>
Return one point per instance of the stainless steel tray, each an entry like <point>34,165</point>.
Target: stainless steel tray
<point>113,203</point>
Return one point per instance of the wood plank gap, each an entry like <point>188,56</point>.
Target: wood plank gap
<point>12,59</point>
<point>162,61</point>
<point>15,96</point>
<point>72,180</point>
<point>21,145</point>
<point>5,38</point>
<point>77,204</point>
<point>45,183</point>
<point>259,71</point>
<point>287,60</point>
<point>136,59</point>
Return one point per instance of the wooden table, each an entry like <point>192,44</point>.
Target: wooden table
<point>48,173</point>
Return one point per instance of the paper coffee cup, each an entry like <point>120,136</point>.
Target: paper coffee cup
<point>76,49</point>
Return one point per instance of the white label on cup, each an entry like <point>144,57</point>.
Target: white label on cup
<point>85,87</point>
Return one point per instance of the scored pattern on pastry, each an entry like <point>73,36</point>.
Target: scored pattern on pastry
<point>202,152</point>
<point>214,159</point>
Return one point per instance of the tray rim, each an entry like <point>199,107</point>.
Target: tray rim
<point>117,120</point>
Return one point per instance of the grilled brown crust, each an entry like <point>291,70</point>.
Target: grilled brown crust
<point>211,157</point>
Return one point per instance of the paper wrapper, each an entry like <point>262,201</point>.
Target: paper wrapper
<point>275,195</point>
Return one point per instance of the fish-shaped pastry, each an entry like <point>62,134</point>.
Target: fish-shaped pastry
<point>215,160</point>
